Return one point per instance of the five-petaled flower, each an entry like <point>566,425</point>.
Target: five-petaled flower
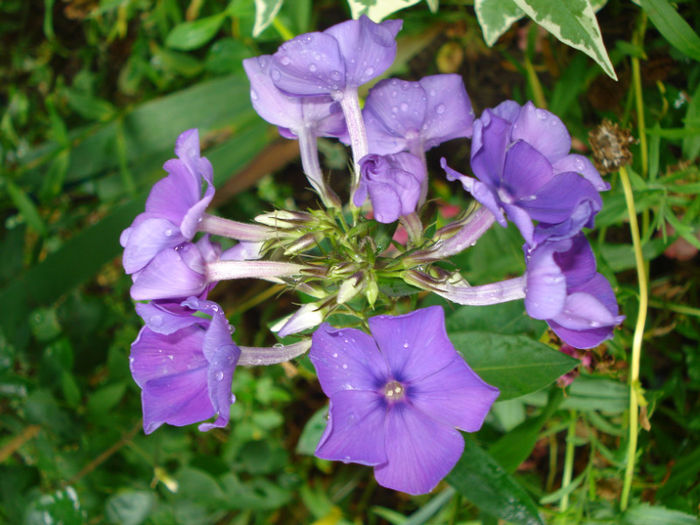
<point>397,398</point>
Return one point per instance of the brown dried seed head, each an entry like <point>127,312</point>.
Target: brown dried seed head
<point>610,146</point>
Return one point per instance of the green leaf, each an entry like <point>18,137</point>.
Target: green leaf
<point>130,507</point>
<point>480,479</point>
<point>673,28</point>
<point>88,106</point>
<point>25,206</point>
<point>265,13</point>
<point>62,506</point>
<point>495,17</point>
<point>376,10</point>
<point>645,514</point>
<point>313,430</point>
<point>226,56</point>
<point>191,35</point>
<point>691,143</point>
<point>515,364</point>
<point>104,399</point>
<point>574,23</point>
<point>589,393</point>
<point>506,319</point>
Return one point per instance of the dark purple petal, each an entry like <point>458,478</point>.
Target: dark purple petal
<point>166,317</point>
<point>455,396</point>
<point>420,451</point>
<point>310,64</point>
<point>577,262</point>
<point>167,276</point>
<point>146,239</point>
<point>581,165</point>
<point>347,359</point>
<point>521,218</point>
<point>449,113</point>
<point>355,431</point>
<point>543,130</point>
<point>525,172</point>
<point>367,48</point>
<point>415,344</point>
<point>582,216</point>
<point>557,200</point>
<point>508,110</point>
<point>480,191</point>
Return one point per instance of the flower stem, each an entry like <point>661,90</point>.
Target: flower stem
<point>350,104</point>
<point>473,228</point>
<point>312,168</point>
<point>493,293</point>
<point>234,229</point>
<point>637,339</point>
<point>268,270</point>
<point>568,459</point>
<point>256,356</point>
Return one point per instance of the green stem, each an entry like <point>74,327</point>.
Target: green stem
<point>283,31</point>
<point>639,100</point>
<point>637,340</point>
<point>535,85</point>
<point>678,308</point>
<point>568,459</point>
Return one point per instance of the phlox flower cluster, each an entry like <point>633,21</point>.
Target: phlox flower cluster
<point>399,392</point>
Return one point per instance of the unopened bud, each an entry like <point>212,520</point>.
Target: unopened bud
<point>372,292</point>
<point>350,288</point>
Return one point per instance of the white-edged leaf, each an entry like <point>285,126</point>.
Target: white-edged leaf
<point>265,13</point>
<point>377,10</point>
<point>495,17</point>
<point>574,23</point>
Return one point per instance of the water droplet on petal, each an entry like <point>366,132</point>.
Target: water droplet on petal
<point>369,71</point>
<point>440,109</point>
<point>405,345</point>
<point>156,320</point>
<point>404,106</point>
<point>233,398</point>
<point>312,67</point>
<point>219,376</point>
<point>275,74</point>
<point>278,345</point>
<point>285,61</point>
<point>169,232</point>
<point>345,366</point>
<point>253,95</point>
<point>335,354</point>
<point>336,75</point>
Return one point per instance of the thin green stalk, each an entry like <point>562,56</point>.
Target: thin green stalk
<point>635,389</point>
<point>568,459</point>
<point>678,308</point>
<point>638,98</point>
<point>535,85</point>
<point>283,31</point>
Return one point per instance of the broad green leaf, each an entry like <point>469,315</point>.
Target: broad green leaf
<point>130,507</point>
<point>104,399</point>
<point>62,507</point>
<point>589,393</point>
<point>378,10</point>
<point>480,479</point>
<point>645,514</point>
<point>265,13</point>
<point>259,493</point>
<point>495,17</point>
<point>691,142</point>
<point>621,257</point>
<point>574,23</point>
<point>515,364</point>
<point>25,206</point>
<point>313,430</point>
<point>672,26</point>
<point>506,319</point>
<point>191,35</point>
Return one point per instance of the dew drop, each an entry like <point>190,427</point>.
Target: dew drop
<point>595,324</point>
<point>285,61</point>
<point>369,71</point>
<point>169,232</point>
<point>394,109</point>
<point>345,366</point>
<point>253,95</point>
<point>278,345</point>
<point>233,398</point>
<point>404,106</point>
<point>335,354</point>
<point>336,75</point>
<point>541,114</point>
<point>440,109</point>
<point>312,67</point>
<point>405,345</point>
<point>156,320</point>
<point>219,376</point>
<point>275,74</point>
<point>171,357</point>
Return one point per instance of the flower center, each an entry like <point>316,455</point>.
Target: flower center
<point>394,391</point>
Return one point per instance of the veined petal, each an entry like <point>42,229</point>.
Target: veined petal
<point>581,165</point>
<point>488,160</point>
<point>167,277</point>
<point>545,294</point>
<point>557,200</point>
<point>355,431</point>
<point>398,108</point>
<point>449,114</point>
<point>420,451</point>
<point>270,103</point>
<point>543,130</point>
<point>172,196</point>
<point>146,239</point>
<point>525,171</point>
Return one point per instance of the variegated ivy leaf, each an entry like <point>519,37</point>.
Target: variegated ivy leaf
<point>574,23</point>
<point>377,10</point>
<point>265,13</point>
<point>495,17</point>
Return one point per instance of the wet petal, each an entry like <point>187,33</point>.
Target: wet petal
<point>146,240</point>
<point>449,113</point>
<point>543,130</point>
<point>166,277</point>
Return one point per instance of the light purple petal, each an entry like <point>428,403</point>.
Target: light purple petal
<point>521,218</point>
<point>415,344</point>
<point>367,48</point>
<point>243,251</point>
<point>480,191</point>
<point>386,202</point>
<point>190,222</point>
<point>487,161</point>
<point>166,317</point>
<point>525,171</point>
<point>545,293</point>
<point>508,110</point>
<point>310,64</point>
<point>543,130</point>
<point>172,196</point>
<point>167,277</point>
<point>270,103</point>
<point>395,108</point>
<point>583,166</point>
<point>355,429</point>
<point>420,451</point>
<point>347,359</point>
<point>381,140</point>
<point>449,113</point>
<point>148,238</point>
<point>455,396</point>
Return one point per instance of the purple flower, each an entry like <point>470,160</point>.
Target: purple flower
<point>393,183</point>
<point>520,156</point>
<point>345,55</point>
<point>177,273</point>
<point>294,115</point>
<point>417,116</point>
<point>563,288</point>
<point>174,207</point>
<point>396,398</point>
<point>185,376</point>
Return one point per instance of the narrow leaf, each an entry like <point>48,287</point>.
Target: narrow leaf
<point>574,23</point>
<point>377,11</point>
<point>265,13</point>
<point>480,479</point>
<point>25,206</point>
<point>191,35</point>
<point>673,28</point>
<point>495,17</point>
<point>515,364</point>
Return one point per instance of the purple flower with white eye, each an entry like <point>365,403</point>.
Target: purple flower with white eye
<point>564,289</point>
<point>397,398</point>
<point>417,116</point>
<point>520,156</point>
<point>345,55</point>
<point>185,376</point>
<point>177,273</point>
<point>393,183</point>
<point>174,207</point>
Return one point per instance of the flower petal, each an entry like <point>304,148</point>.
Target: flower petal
<point>355,429</point>
<point>395,108</point>
<point>543,130</point>
<point>557,200</point>
<point>545,294</point>
<point>525,171</point>
<point>455,396</point>
<point>449,114</point>
<point>581,165</point>
<point>167,277</point>
<point>146,239</point>
<point>415,344</point>
<point>347,359</point>
<point>487,161</point>
<point>420,451</point>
